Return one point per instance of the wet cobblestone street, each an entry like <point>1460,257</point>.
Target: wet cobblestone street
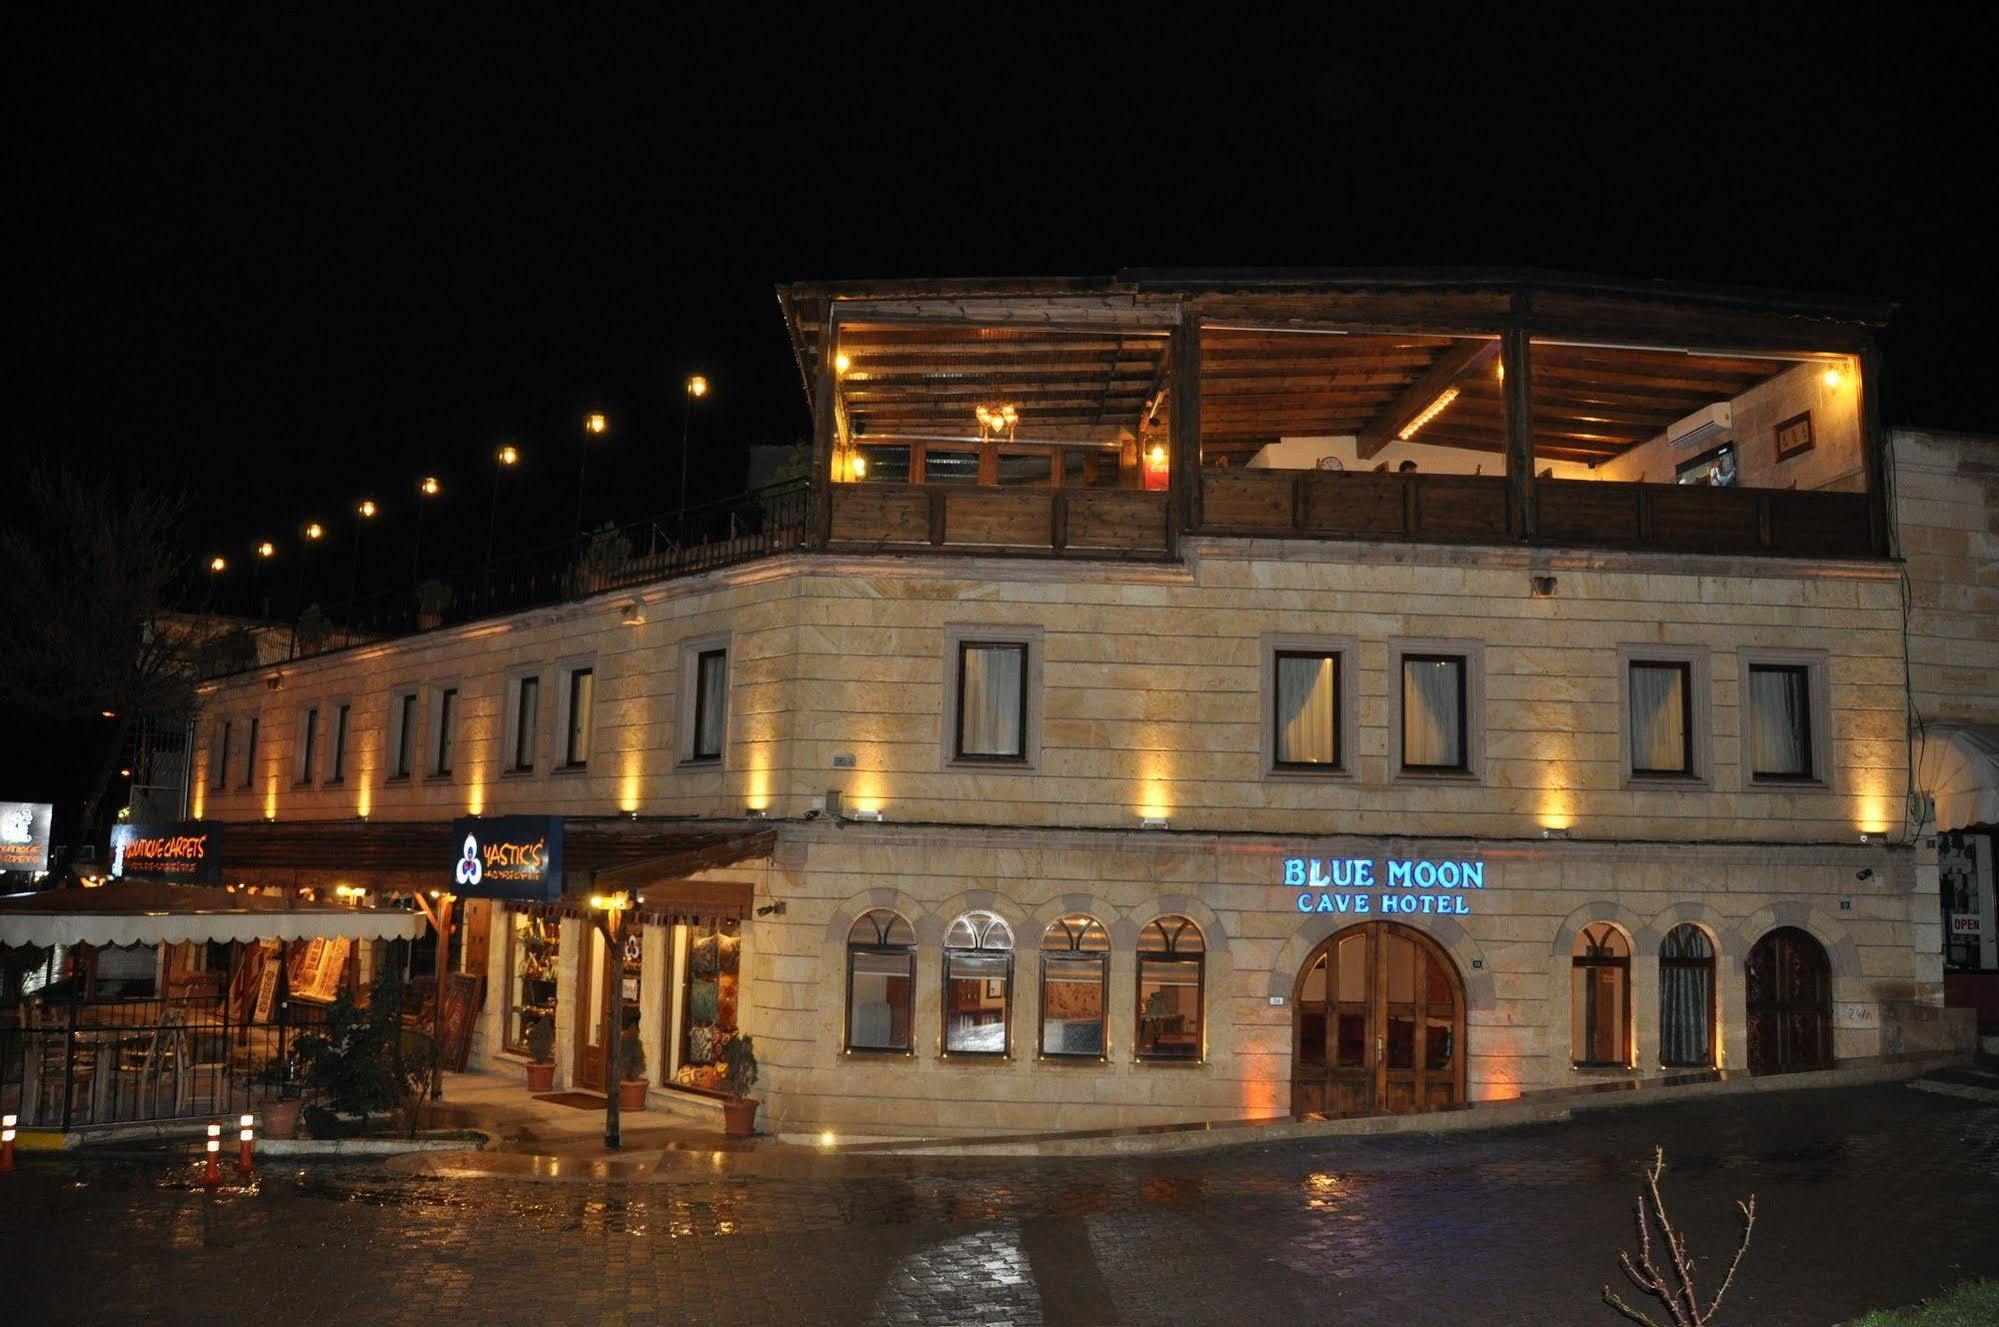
<point>1867,1197</point>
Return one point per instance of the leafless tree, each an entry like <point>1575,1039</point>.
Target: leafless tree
<point>1673,1288</point>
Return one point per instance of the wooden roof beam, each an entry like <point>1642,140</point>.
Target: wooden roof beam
<point>1459,361</point>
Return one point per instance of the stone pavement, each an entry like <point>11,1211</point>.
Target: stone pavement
<point>1867,1196</point>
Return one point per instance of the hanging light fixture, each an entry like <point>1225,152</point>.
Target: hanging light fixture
<point>998,421</point>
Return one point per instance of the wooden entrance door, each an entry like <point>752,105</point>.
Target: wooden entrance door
<point>1377,1025</point>
<point>590,1060</point>
<point>1788,987</point>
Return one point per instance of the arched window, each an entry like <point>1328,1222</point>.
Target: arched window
<point>1171,956</point>
<point>978,985</point>
<point>1075,981</point>
<point>881,982</point>
<point>1686,998</point>
<point>1600,984</point>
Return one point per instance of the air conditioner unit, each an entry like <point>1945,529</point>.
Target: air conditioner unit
<point>1702,426</point>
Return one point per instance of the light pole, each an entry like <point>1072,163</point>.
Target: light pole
<point>609,915</point>
<point>427,487</point>
<point>504,460</point>
<point>216,566</point>
<point>594,426</point>
<point>313,532</point>
<point>266,550</point>
<point>364,511</point>
<point>697,387</point>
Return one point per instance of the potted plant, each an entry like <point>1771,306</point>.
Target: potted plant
<point>632,1086</point>
<point>540,1038</point>
<point>739,1075</point>
<point>279,1103</point>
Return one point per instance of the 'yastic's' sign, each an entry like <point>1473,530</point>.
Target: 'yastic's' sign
<point>1391,887</point>
<point>517,857</point>
<point>186,852</point>
<point>24,836</point>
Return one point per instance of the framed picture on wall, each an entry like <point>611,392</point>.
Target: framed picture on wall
<point>1794,436</point>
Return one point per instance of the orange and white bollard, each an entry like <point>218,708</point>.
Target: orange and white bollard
<point>212,1172</point>
<point>7,1123</point>
<point>243,1161</point>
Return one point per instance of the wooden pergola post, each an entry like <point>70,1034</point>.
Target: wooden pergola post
<point>1185,480</point>
<point>1518,401</point>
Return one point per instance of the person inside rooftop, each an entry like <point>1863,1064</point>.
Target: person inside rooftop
<point>1037,415</point>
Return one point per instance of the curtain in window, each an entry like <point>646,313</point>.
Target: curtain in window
<point>1432,727</point>
<point>713,703</point>
<point>1777,720</point>
<point>1307,709</point>
<point>989,718</point>
<point>1686,997</point>
<point>1658,718</point>
<point>582,693</point>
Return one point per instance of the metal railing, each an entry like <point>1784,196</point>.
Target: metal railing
<point>718,534</point>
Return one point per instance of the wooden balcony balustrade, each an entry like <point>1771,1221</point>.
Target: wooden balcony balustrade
<point>1095,523</point>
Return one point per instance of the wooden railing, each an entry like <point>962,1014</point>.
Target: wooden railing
<point>1472,509</point>
<point>1081,522</point>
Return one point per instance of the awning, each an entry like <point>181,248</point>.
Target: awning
<point>1958,766</point>
<point>147,913</point>
<point>662,892</point>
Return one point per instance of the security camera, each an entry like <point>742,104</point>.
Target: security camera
<point>1866,873</point>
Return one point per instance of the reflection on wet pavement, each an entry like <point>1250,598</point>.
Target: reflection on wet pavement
<point>1511,1227</point>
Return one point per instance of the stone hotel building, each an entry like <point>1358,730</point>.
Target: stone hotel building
<point>1203,695</point>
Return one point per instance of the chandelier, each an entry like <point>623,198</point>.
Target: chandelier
<point>997,422</point>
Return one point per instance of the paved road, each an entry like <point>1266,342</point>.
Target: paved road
<point>1867,1197</point>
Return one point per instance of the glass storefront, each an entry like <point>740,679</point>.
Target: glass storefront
<point>534,944</point>
<point>703,1019</point>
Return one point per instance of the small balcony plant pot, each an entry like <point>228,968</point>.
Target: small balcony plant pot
<point>541,1075</point>
<point>540,1038</point>
<point>739,1116</point>
<point>631,1094</point>
<point>279,1116</point>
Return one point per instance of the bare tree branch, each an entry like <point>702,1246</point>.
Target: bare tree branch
<point>1680,1298</point>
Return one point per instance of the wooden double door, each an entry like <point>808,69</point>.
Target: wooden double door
<point>1378,1024</point>
<point>1787,984</point>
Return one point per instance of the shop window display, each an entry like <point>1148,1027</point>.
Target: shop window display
<point>536,944</point>
<point>708,1005</point>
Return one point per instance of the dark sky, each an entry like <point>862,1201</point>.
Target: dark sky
<point>285,257</point>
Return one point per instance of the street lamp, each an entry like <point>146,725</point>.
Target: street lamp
<point>594,426</point>
<point>367,511</point>
<point>266,550</point>
<point>609,913</point>
<point>504,460</point>
<point>697,387</point>
<point>427,487</point>
<point>216,566</point>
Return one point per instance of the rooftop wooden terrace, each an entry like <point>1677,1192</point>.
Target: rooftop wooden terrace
<point>1106,417</point>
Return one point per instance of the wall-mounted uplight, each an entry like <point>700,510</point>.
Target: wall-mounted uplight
<point>1555,832</point>
<point>1154,822</point>
<point>1874,839</point>
<point>871,814</point>
<point>632,615</point>
<point>757,812</point>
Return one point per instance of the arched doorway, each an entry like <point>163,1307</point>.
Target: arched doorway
<point>1377,1025</point>
<point>1788,985</point>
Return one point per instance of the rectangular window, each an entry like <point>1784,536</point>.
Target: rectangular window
<point>992,701</point>
<point>1433,712</point>
<point>339,770</point>
<point>1306,721</point>
<point>527,717</point>
<point>880,998</point>
<point>950,467</point>
<point>1029,468</point>
<point>1073,1005</point>
<point>576,745</point>
<point>1662,719</point>
<point>447,728</point>
<point>711,704</point>
<point>219,776</point>
<point>1169,1008</point>
<point>250,753</point>
<point>1780,721</point>
<point>710,996</point>
<point>405,735</point>
<point>879,464</point>
<point>308,742</point>
<point>978,999</point>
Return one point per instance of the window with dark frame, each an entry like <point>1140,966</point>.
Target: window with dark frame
<point>1434,714</point>
<point>308,752</point>
<point>992,701</point>
<point>1172,958</point>
<point>881,983</point>
<point>447,729</point>
<point>406,735</point>
<point>978,986</point>
<point>250,752</point>
<point>1661,718</point>
<point>711,704</point>
<point>1686,998</point>
<point>527,718</point>
<point>339,770</point>
<point>1305,710</point>
<point>1600,998</point>
<point>582,692</point>
<point>219,776</point>
<point>1780,721</point>
<point>1075,988</point>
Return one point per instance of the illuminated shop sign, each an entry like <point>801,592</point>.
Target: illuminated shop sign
<point>517,857</point>
<point>24,836</point>
<point>186,852</point>
<point>1389,887</point>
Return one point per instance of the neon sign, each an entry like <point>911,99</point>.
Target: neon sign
<point>1395,886</point>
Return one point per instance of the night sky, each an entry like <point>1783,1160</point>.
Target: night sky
<point>283,259</point>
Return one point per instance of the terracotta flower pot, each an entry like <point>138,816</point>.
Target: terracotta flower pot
<point>739,1117</point>
<point>279,1116</point>
<point>541,1075</point>
<point>631,1094</point>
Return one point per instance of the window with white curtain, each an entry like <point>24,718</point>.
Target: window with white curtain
<point>1662,738</point>
<point>1780,721</point>
<point>711,703</point>
<point>992,700</point>
<point>1306,724</point>
<point>1433,712</point>
<point>582,698</point>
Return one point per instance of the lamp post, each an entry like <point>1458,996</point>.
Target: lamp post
<point>314,532</point>
<point>594,426</point>
<point>364,511</point>
<point>697,387</point>
<point>504,460</point>
<point>608,912</point>
<point>426,488</point>
<point>266,550</point>
<point>216,566</point>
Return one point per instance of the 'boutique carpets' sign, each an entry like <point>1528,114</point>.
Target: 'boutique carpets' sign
<point>517,857</point>
<point>24,836</point>
<point>1389,888</point>
<point>186,852</point>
